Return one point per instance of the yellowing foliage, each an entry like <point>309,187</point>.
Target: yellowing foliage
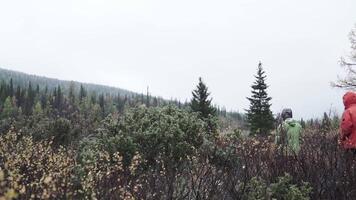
<point>34,170</point>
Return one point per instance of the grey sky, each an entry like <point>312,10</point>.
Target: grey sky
<point>167,45</point>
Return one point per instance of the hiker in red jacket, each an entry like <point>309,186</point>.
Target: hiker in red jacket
<point>348,123</point>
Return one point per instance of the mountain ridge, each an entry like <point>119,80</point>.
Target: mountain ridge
<point>23,79</point>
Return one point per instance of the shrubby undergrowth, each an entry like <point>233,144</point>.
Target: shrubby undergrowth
<point>165,153</point>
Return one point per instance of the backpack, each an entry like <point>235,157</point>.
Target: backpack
<point>282,135</point>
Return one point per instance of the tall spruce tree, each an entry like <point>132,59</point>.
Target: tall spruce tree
<point>59,98</point>
<point>30,99</point>
<point>259,114</point>
<point>201,102</point>
<point>82,93</point>
<point>11,88</point>
<point>71,94</point>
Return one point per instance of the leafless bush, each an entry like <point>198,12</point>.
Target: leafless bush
<point>329,169</point>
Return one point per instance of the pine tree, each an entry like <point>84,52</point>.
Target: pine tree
<point>201,102</point>
<point>259,114</point>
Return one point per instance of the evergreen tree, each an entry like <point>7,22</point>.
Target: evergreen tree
<point>11,88</point>
<point>8,108</point>
<point>82,93</point>
<point>155,102</point>
<point>302,123</point>
<point>19,96</point>
<point>311,123</point>
<point>147,103</point>
<point>53,98</point>
<point>37,110</point>
<point>3,91</point>
<point>110,107</point>
<point>335,122</point>
<point>57,100</point>
<point>37,90</point>
<point>326,123</point>
<point>95,113</point>
<point>59,97</point>
<point>142,101</point>
<point>93,98</point>
<point>120,104</point>
<point>43,98</point>
<point>61,132</point>
<point>102,104</point>
<point>30,99</point>
<point>201,102</point>
<point>259,114</point>
<point>71,94</point>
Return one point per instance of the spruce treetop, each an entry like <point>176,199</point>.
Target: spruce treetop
<point>201,102</point>
<point>259,114</point>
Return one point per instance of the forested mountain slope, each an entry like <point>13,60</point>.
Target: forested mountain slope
<point>69,98</point>
<point>22,79</point>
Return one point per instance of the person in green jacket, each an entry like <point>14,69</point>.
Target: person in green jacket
<point>289,132</point>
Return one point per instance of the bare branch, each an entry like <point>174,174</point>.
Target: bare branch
<point>343,62</point>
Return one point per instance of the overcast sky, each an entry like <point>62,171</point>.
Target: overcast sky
<point>167,45</point>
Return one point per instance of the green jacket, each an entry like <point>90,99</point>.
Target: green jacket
<point>292,133</point>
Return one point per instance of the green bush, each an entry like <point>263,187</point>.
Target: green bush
<point>283,189</point>
<point>60,130</point>
<point>165,138</point>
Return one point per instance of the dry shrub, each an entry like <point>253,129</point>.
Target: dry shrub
<point>330,170</point>
<point>36,170</point>
<point>224,168</point>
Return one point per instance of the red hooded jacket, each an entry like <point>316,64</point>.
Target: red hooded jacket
<point>348,123</point>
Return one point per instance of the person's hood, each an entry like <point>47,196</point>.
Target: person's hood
<point>349,99</point>
<point>291,122</point>
<point>286,113</point>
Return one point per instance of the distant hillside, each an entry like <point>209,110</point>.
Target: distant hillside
<point>121,97</point>
<point>22,79</point>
